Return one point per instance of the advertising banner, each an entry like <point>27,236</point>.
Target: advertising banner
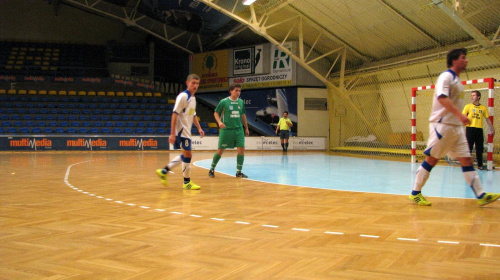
<point>212,68</point>
<point>83,143</point>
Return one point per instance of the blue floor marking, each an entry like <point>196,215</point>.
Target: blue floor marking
<point>353,174</point>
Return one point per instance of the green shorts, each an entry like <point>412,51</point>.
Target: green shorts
<point>230,138</point>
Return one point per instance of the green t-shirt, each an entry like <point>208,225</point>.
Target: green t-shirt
<point>230,112</point>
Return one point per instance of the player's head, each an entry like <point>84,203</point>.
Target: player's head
<point>476,95</point>
<point>233,86</point>
<point>192,83</point>
<point>235,90</point>
<point>454,55</point>
<point>285,114</point>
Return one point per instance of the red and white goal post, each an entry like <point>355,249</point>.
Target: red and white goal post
<point>491,92</point>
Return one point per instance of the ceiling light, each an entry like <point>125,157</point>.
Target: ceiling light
<point>248,2</point>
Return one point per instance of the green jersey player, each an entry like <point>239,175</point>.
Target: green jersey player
<point>230,115</point>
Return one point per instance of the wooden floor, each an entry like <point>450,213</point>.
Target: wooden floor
<point>105,215</point>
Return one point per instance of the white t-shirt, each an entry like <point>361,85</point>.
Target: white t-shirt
<point>185,107</point>
<point>448,84</point>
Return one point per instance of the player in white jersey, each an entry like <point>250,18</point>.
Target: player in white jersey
<point>183,117</point>
<point>446,132</point>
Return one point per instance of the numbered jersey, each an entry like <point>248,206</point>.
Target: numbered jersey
<point>185,108</point>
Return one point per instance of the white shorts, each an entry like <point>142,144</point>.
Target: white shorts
<point>445,139</point>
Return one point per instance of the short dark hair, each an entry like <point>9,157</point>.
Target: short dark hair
<point>477,93</point>
<point>454,55</point>
<point>285,112</point>
<point>232,86</point>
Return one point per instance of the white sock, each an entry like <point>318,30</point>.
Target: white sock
<point>176,161</point>
<point>186,169</point>
<point>474,182</point>
<point>420,178</point>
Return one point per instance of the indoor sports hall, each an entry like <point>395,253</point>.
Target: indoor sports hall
<point>87,94</point>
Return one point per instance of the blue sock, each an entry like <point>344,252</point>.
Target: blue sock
<point>415,192</point>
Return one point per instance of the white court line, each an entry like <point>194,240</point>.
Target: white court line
<point>242,223</point>
<point>217,219</point>
<point>196,216</point>
<point>334,232</point>
<point>407,239</point>
<point>177,213</point>
<point>300,229</point>
<point>270,226</point>
<point>489,245</point>
<point>448,242</point>
<point>369,236</point>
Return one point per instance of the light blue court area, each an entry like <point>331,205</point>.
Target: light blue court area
<point>353,174</point>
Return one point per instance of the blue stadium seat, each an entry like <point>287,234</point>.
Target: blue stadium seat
<point>82,118</point>
<point>72,118</point>
<point>138,130</point>
<point>105,130</point>
<point>213,131</point>
<point>97,124</point>
<point>94,130</point>
<point>108,124</point>
<point>151,124</point>
<point>117,130</point>
<point>161,130</point>
<point>12,130</point>
<point>127,130</point>
<point>82,130</point>
<point>71,130</point>
<point>6,124</point>
<point>75,124</point>
<point>130,124</point>
<point>119,124</point>
<point>29,123</point>
<point>150,130</point>
<point>136,118</point>
<point>59,130</point>
<point>64,124</point>
<point>141,124</point>
<point>24,130</point>
<point>36,130</point>
<point>53,124</point>
<point>41,124</point>
<point>48,130</point>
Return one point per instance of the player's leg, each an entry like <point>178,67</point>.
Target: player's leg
<point>480,148</point>
<point>436,148</point>
<point>421,177</point>
<point>221,146</point>
<point>240,158</point>
<point>217,156</point>
<point>162,173</point>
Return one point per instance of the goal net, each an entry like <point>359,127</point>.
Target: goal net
<point>420,110</point>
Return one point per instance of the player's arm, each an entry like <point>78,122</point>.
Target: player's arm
<point>198,126</point>
<point>290,124</point>
<point>278,126</point>
<point>173,124</point>
<point>448,104</point>
<point>245,124</point>
<point>217,119</point>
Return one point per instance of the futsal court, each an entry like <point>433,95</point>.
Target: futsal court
<point>299,215</point>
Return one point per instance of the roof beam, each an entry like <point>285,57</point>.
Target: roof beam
<point>465,24</point>
<point>411,23</point>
